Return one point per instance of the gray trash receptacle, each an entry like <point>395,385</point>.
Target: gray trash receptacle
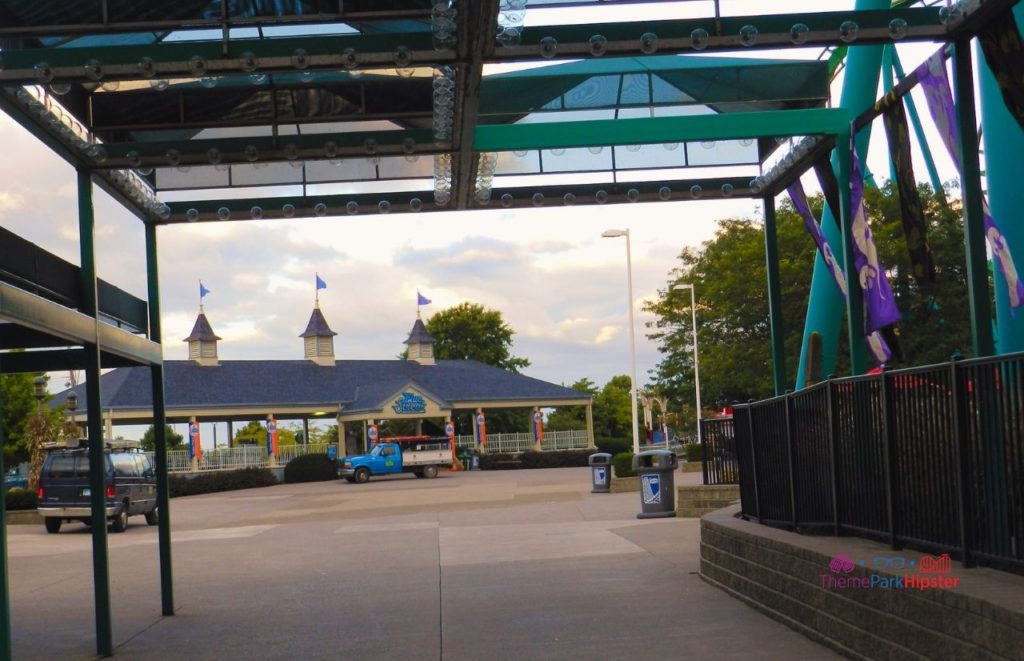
<point>657,483</point>
<point>601,472</point>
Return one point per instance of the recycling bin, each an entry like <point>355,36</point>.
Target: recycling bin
<point>601,470</point>
<point>466,457</point>
<point>657,483</point>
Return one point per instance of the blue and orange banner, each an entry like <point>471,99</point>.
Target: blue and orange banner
<point>538,426</point>
<point>481,428</point>
<point>195,449</point>
<point>372,434</point>
<point>272,436</point>
<point>449,431</point>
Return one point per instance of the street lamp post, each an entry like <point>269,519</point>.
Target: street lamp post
<point>696,364</point>
<point>611,234</point>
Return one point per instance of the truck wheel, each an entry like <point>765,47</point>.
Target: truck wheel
<point>430,471</point>
<point>52,525</point>
<point>152,518</point>
<point>120,521</point>
<point>362,475</point>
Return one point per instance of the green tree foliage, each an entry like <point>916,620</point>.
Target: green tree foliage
<point>566,418</point>
<point>729,274</point>
<point>328,434</point>
<point>175,441</point>
<point>470,331</point>
<point>613,414</point>
<point>17,405</point>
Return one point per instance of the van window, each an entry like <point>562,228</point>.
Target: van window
<point>61,466</point>
<point>145,467</point>
<point>124,465</point>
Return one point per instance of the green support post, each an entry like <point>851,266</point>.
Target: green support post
<point>159,429</point>
<point>887,85</point>
<point>974,224</point>
<point>97,460</point>
<point>771,254</point>
<point>5,599</point>
<point>855,299</point>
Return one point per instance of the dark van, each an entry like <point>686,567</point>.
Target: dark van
<point>64,492</point>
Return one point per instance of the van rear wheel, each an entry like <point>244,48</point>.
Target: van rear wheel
<point>120,521</point>
<point>152,518</point>
<point>52,525</point>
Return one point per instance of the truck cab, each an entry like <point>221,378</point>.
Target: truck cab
<point>419,455</point>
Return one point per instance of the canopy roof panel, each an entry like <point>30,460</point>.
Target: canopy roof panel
<point>414,99</point>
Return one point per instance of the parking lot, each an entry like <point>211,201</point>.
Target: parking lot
<point>502,564</point>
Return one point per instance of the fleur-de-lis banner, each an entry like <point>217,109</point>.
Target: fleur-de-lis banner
<point>1004,52</point>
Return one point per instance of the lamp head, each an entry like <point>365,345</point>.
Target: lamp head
<point>72,401</point>
<point>39,386</point>
<point>611,234</point>
<point>682,286</point>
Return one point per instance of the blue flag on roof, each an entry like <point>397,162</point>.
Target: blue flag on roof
<point>421,299</point>
<point>203,291</point>
<point>320,284</point>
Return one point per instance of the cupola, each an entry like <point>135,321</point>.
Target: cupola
<point>202,342</point>
<point>318,339</point>
<point>421,345</point>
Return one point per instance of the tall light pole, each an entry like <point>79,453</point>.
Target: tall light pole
<point>696,364</point>
<point>611,234</point>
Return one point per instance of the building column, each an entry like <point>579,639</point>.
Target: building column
<point>5,602</point>
<point>771,254</point>
<point>94,416</point>
<point>589,410</point>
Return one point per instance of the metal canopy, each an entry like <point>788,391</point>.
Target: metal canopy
<point>323,97</point>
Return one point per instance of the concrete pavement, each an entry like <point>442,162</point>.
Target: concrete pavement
<point>497,565</point>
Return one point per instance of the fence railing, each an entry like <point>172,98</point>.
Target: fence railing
<point>246,456</point>
<point>930,457</point>
<point>574,439</point>
<point>718,446</point>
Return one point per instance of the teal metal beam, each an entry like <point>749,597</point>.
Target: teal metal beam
<point>978,294</point>
<point>159,430</point>
<point>771,254</point>
<point>97,460</point>
<point>654,130</point>
<point>855,298</point>
<point>915,121</point>
<point>56,360</point>
<point>519,197</point>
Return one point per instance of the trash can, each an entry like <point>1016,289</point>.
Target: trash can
<point>466,457</point>
<point>474,459</point>
<point>657,483</point>
<point>601,470</point>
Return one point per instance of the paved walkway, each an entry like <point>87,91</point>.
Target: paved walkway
<point>482,565</point>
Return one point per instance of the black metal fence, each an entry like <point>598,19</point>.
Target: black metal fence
<point>930,457</point>
<point>718,446</point>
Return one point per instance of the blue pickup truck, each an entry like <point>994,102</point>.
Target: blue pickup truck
<point>419,455</point>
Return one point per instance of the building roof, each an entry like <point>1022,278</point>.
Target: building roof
<point>202,330</point>
<point>317,326</point>
<point>353,385</point>
<point>419,334</point>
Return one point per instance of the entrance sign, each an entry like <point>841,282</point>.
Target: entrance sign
<point>409,403</point>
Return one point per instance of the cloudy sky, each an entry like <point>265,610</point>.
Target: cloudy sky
<point>560,286</point>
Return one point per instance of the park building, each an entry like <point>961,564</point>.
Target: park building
<point>356,393</point>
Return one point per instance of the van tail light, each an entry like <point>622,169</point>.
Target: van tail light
<point>40,494</point>
<point>110,492</point>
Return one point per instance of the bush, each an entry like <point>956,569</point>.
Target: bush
<point>556,459</point>
<point>311,468</point>
<point>498,461</point>
<point>18,498</point>
<point>614,446</point>
<point>246,478</point>
<point>623,464</point>
<point>694,452</point>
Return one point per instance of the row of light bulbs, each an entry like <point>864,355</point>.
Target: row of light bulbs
<point>797,152</point>
<point>415,204</point>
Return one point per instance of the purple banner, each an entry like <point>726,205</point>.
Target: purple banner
<point>879,349</point>
<point>879,305</point>
<point>935,83</point>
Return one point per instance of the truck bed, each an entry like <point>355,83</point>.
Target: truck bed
<point>427,457</point>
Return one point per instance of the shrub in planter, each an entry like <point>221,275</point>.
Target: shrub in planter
<point>623,464</point>
<point>498,461</point>
<point>246,478</point>
<point>614,446</point>
<point>556,459</point>
<point>311,468</point>
<point>18,498</point>
<point>694,452</point>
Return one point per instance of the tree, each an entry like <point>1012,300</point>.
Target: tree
<point>174,440</point>
<point>18,408</point>
<point>729,274</point>
<point>613,415</point>
<point>470,331</point>
<point>565,418</point>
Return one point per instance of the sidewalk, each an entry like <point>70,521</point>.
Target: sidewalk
<point>495,565</point>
